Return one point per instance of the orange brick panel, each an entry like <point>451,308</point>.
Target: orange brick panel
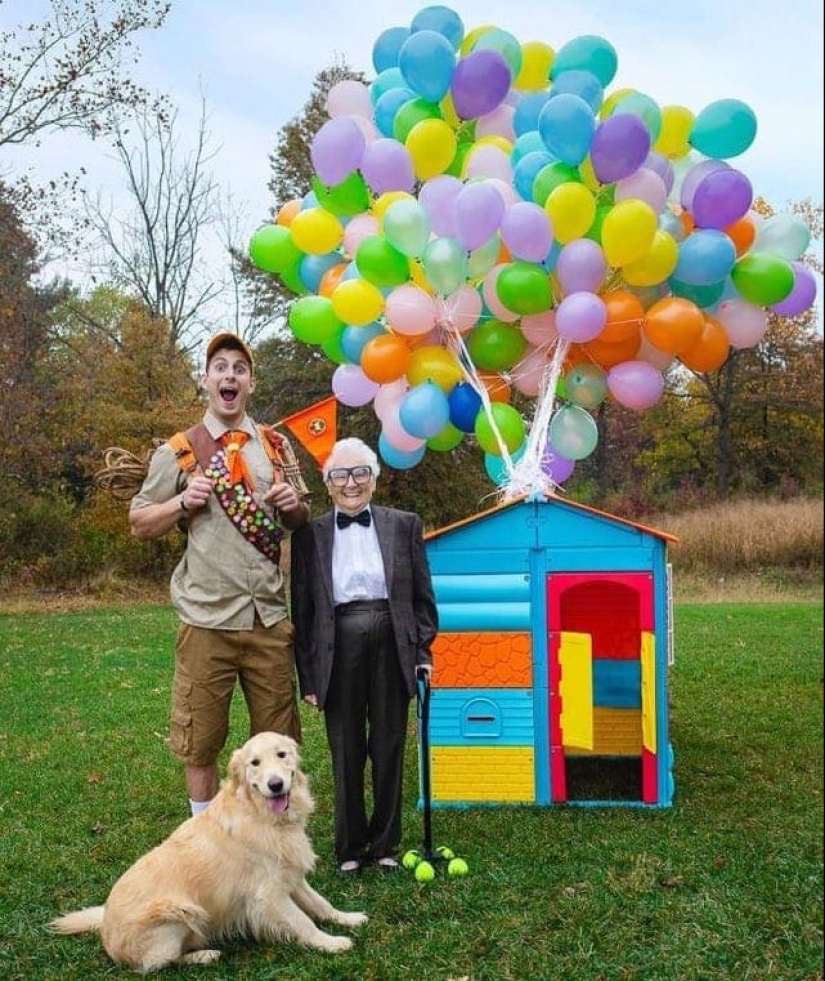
<point>482,660</point>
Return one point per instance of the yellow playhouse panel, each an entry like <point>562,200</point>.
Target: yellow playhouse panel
<point>488,660</point>
<point>616,732</point>
<point>489,774</point>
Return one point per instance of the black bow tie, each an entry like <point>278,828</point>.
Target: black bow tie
<point>345,520</point>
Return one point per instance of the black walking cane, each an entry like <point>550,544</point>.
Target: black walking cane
<point>423,863</point>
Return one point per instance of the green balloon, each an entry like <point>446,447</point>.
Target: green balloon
<point>409,114</point>
<point>272,250</point>
<point>449,437</point>
<point>380,263</point>
<point>313,321</point>
<point>763,279</point>
<point>346,199</point>
<point>550,177</point>
<point>510,425</point>
<point>524,288</point>
<point>496,346</point>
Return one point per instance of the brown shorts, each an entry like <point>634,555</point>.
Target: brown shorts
<point>207,665</point>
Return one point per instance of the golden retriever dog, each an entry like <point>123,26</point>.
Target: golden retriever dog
<point>238,868</point>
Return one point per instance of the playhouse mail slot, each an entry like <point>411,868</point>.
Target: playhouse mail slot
<point>488,717</point>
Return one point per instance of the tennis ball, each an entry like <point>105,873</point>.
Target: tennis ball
<point>457,866</point>
<point>410,859</point>
<point>444,852</point>
<point>424,872</point>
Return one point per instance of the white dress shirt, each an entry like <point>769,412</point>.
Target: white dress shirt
<point>357,565</point>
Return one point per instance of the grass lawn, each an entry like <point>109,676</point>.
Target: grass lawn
<point>726,884</point>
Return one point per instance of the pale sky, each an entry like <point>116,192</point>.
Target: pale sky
<point>256,62</point>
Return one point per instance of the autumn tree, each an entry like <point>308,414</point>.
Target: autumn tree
<point>71,71</point>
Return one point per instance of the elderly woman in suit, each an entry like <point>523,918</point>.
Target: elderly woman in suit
<point>365,618</point>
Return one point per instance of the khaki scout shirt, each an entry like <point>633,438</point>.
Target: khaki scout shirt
<point>222,580</point>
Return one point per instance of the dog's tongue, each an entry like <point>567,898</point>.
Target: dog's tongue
<point>279,804</point>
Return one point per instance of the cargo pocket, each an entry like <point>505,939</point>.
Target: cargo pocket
<point>180,727</point>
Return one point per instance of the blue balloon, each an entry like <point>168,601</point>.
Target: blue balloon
<point>590,53</point>
<point>399,459</point>
<point>387,106</point>
<point>566,125</point>
<point>427,61</point>
<point>524,172</point>
<point>390,78</point>
<point>706,256</point>
<point>387,46</point>
<point>529,142</point>
<point>354,339</point>
<point>526,115</point>
<point>465,404</point>
<point>424,411</point>
<point>441,19</point>
<point>495,466</point>
<point>311,269</point>
<point>581,83</point>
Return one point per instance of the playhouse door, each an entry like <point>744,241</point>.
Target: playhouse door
<point>601,676</point>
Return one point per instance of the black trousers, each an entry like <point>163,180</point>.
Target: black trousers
<point>366,716</point>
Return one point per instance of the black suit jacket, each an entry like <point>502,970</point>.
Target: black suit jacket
<point>409,587</point>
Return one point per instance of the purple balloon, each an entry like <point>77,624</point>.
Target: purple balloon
<point>527,232</point>
<point>387,166</point>
<point>480,83</point>
<point>696,174</point>
<point>801,296</point>
<point>635,384</point>
<point>437,197</point>
<point>479,208</point>
<point>721,198</point>
<point>619,147</point>
<point>557,467</point>
<point>581,266</point>
<point>337,149</point>
<point>580,317</point>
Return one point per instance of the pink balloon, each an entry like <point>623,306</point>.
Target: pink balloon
<point>337,149</point>
<point>488,161</point>
<point>499,122</point>
<point>580,317</point>
<point>491,300</point>
<point>349,98</point>
<point>357,229</point>
<point>744,323</point>
<point>635,384</point>
<point>351,386</point>
<point>581,266</point>
<point>645,185</point>
<point>527,232</point>
<point>527,373</point>
<point>540,328</point>
<point>410,311</point>
<point>460,310</point>
<point>395,434</point>
<point>389,395</point>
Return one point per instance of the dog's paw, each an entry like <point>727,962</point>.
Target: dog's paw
<point>335,945</point>
<point>352,919</point>
<point>200,957</point>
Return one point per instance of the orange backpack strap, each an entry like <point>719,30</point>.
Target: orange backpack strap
<point>184,452</point>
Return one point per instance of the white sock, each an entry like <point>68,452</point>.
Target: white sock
<point>196,806</point>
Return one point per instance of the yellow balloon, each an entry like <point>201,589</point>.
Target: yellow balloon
<point>588,175</point>
<point>448,113</point>
<point>609,103</point>
<point>472,36</point>
<point>316,231</point>
<point>536,61</point>
<point>656,264</point>
<point>628,230</point>
<point>383,202</point>
<point>419,278</point>
<point>677,123</point>
<point>432,145</point>
<point>434,363</point>
<point>357,302</point>
<point>572,208</point>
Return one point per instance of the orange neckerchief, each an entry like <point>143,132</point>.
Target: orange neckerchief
<point>232,441</point>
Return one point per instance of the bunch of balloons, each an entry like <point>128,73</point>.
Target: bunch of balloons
<point>486,215</point>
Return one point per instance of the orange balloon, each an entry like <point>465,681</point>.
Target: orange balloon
<point>331,279</point>
<point>674,324</point>
<point>288,211</point>
<point>711,350</point>
<point>687,221</point>
<point>625,314</point>
<point>742,233</point>
<point>385,358</point>
<point>498,388</point>
<point>606,354</point>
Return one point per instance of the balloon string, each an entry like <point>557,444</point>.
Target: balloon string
<point>528,475</point>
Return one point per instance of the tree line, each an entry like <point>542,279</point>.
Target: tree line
<point>118,365</point>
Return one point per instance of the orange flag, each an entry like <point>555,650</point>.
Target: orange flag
<point>315,427</point>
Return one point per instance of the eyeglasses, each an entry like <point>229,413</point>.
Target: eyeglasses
<point>340,475</point>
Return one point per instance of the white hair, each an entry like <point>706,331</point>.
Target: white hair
<point>348,447</point>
